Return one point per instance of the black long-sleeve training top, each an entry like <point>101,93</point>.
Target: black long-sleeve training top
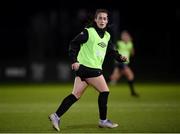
<point>81,38</point>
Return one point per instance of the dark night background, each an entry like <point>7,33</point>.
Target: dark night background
<point>35,36</point>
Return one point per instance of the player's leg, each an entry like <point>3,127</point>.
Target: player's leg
<point>128,73</point>
<point>100,84</point>
<point>115,76</point>
<point>79,87</point>
<point>78,90</point>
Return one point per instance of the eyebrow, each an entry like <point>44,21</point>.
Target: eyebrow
<point>103,17</point>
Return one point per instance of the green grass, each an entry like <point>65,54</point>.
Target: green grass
<point>25,108</point>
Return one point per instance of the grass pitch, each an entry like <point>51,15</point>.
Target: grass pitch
<point>25,109</point>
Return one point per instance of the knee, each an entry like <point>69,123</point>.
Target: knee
<point>104,90</point>
<point>77,95</point>
<point>130,76</point>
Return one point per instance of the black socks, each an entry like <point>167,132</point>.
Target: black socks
<point>131,85</point>
<point>66,104</point>
<point>71,99</point>
<point>102,103</point>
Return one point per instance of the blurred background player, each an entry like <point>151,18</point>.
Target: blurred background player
<point>87,52</point>
<point>124,47</point>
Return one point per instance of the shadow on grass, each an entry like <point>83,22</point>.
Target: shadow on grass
<point>81,126</point>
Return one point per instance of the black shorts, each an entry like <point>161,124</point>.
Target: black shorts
<point>121,65</point>
<point>86,72</point>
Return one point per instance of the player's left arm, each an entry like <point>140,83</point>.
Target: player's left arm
<point>113,52</point>
<point>132,52</point>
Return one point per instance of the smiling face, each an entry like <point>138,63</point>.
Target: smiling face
<point>101,20</point>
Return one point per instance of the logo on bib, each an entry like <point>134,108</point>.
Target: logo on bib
<point>102,44</point>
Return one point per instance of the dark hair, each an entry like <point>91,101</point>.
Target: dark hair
<point>101,11</point>
<point>90,21</point>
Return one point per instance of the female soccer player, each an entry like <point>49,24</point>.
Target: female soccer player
<point>124,47</point>
<point>87,51</point>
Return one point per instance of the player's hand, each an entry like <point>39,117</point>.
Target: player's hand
<point>123,58</point>
<point>75,66</point>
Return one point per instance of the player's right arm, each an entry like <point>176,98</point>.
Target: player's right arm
<point>74,48</point>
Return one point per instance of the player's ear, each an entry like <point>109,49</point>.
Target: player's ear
<point>95,20</point>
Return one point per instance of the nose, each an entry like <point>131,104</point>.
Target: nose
<point>103,20</point>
